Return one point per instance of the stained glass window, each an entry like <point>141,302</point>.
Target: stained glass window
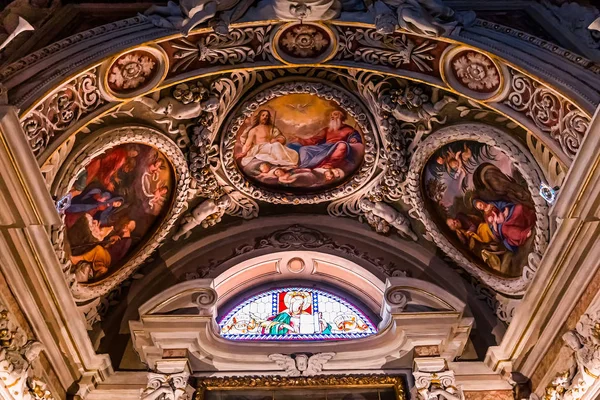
<point>295,313</point>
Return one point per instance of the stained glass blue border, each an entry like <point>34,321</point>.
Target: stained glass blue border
<point>273,293</point>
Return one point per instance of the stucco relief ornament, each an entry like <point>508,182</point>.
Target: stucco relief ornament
<point>411,105</point>
<point>436,386</point>
<point>425,17</point>
<point>166,386</point>
<point>476,71</point>
<point>188,14</point>
<point>208,213</point>
<point>551,113</point>
<point>381,216</point>
<point>307,10</point>
<point>304,41</point>
<point>131,70</point>
<point>300,364</point>
<point>62,110</point>
<point>188,102</point>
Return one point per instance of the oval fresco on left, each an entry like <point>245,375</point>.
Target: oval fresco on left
<point>482,204</point>
<point>299,143</point>
<point>114,206</point>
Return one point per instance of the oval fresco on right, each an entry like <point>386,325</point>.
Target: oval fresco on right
<point>482,204</point>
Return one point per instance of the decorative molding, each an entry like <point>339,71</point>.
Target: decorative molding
<point>102,141</point>
<point>551,113</point>
<point>238,46</point>
<point>498,139</point>
<point>473,73</point>
<point>298,237</point>
<point>316,382</point>
<point>582,369</point>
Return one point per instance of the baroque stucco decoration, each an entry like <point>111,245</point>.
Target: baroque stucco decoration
<point>17,356</point>
<point>362,58</point>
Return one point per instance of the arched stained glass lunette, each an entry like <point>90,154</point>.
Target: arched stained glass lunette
<point>296,313</point>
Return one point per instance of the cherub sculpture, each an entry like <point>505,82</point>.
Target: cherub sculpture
<point>413,105</point>
<point>425,17</point>
<point>302,364</point>
<point>307,10</point>
<point>388,214</point>
<point>188,14</point>
<point>200,214</point>
<point>188,102</point>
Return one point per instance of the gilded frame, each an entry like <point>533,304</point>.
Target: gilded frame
<point>288,383</point>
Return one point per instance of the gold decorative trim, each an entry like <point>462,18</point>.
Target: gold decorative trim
<point>308,383</point>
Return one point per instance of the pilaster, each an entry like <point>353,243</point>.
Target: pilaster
<point>32,271</point>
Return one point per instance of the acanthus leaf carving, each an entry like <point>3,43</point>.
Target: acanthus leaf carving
<point>62,110</point>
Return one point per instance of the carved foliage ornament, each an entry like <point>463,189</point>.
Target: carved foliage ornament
<point>16,357</point>
<point>500,141</point>
<point>304,43</point>
<point>134,72</point>
<point>81,157</point>
<point>352,183</point>
<point>62,110</point>
<point>552,114</point>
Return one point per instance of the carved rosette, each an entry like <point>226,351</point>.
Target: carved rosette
<point>499,140</point>
<point>134,72</point>
<point>303,43</point>
<point>475,74</point>
<point>75,165</point>
<point>347,102</point>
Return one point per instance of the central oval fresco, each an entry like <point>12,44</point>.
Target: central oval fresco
<point>299,143</point>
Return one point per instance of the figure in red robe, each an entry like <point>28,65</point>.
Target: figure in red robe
<point>104,168</point>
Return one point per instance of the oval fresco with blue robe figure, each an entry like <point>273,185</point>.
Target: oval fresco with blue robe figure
<point>482,204</point>
<point>114,206</point>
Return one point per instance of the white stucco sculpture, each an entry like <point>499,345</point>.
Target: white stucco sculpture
<point>424,17</point>
<point>188,14</point>
<point>171,109</point>
<point>200,213</point>
<point>301,364</point>
<point>307,10</point>
<point>388,214</point>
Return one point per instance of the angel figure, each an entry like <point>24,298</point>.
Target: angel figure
<point>424,17</point>
<point>388,214</point>
<point>301,364</point>
<point>307,10</point>
<point>188,102</point>
<point>188,14</point>
<point>413,105</point>
<point>200,213</point>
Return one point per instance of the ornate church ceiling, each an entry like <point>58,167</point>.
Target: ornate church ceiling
<point>186,146</point>
<point>419,136</point>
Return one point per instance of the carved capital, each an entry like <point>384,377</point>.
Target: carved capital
<point>433,380</point>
